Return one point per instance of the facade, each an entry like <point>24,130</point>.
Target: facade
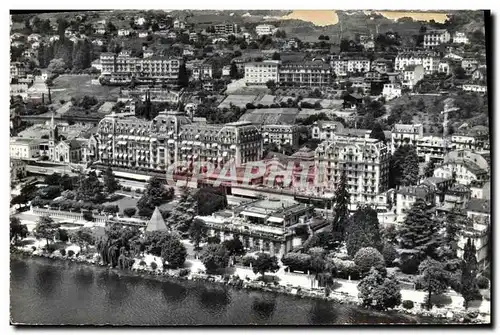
<point>465,171</point>
<point>428,60</point>
<point>444,67</point>
<point>344,66</point>
<point>172,137</point>
<point>406,197</point>
<point>263,225</point>
<point>17,70</point>
<point>281,134</point>
<point>325,130</point>
<point>17,169</point>
<point>391,91</point>
<point>432,148</point>
<point>382,65</point>
<point>460,38</point>
<point>24,148</point>
<point>226,29</point>
<point>367,42</point>
<point>265,29</point>
<point>406,134</point>
<point>259,73</point>
<point>202,70</point>
<point>365,162</point>
<point>434,38</point>
<point>474,88</point>
<point>124,32</point>
<point>469,65</point>
<point>309,74</point>
<point>412,74</point>
<point>480,190</point>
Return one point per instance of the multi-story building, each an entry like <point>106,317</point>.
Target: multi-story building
<point>476,139</point>
<point>19,90</point>
<point>124,32</point>
<point>382,65</point>
<point>265,29</point>
<point>474,88</point>
<point>345,66</point>
<point>432,148</point>
<point>429,61</point>
<point>469,65</point>
<point>178,24</point>
<point>479,74</point>
<point>465,171</point>
<point>480,190</point>
<point>281,134</point>
<point>17,169</point>
<point>24,148</point>
<point>124,140</point>
<point>309,74</point>
<point>325,130</point>
<point>406,134</point>
<point>435,37</point>
<point>259,73</point>
<point>361,84</point>
<point>263,225</point>
<point>412,74</point>
<point>201,70</point>
<point>226,29</point>
<point>459,37</point>
<point>391,91</point>
<point>17,70</point>
<point>365,162</point>
<point>406,197</point>
<point>367,42</point>
<point>108,62</point>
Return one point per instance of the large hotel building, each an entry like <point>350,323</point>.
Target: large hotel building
<point>364,160</point>
<point>171,137</point>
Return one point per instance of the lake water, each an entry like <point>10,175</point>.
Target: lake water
<point>51,292</point>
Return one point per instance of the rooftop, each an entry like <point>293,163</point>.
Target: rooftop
<point>479,206</point>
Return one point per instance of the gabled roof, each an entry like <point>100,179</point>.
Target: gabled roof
<point>156,223</point>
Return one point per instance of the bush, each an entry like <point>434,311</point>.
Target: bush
<point>87,216</point>
<point>297,261</point>
<point>63,252</point>
<point>483,282</point>
<point>153,265</point>
<point>408,304</point>
<point>62,235</point>
<point>50,248</point>
<point>369,257</point>
<point>409,263</point>
<point>247,260</point>
<point>129,212</point>
<point>389,253</point>
<point>126,188</point>
<point>142,263</point>
<point>345,269</point>
<point>33,248</point>
<point>184,272</point>
<point>71,253</point>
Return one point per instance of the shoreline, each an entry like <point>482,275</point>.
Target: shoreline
<point>240,284</point>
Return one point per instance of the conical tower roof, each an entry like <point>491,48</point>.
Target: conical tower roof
<point>156,222</point>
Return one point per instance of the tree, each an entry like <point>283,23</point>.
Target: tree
<point>57,66</point>
<point>363,230</point>
<point>341,207</point>
<point>419,230</point>
<point>389,253</point>
<point>459,73</point>
<point>433,279</point>
<point>83,237</point>
<point>197,232</point>
<point>276,56</point>
<point>369,257</point>
<point>46,228</point>
<point>156,194</point>
<point>233,71</point>
<point>111,185</point>
<point>378,291</point>
<point>403,167</point>
<point>234,246</point>
<point>210,200</point>
<point>265,263</point>
<point>469,288</point>
<point>323,239</point>
<point>183,76</point>
<point>90,188</point>
<point>271,84</point>
<point>344,45</point>
<point>429,169</point>
<point>378,132</point>
<point>183,214</point>
<point>173,252</point>
<point>129,211</point>
<point>214,257</point>
<point>17,230</point>
<point>410,168</point>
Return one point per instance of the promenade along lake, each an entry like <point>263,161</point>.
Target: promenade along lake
<point>53,292</point>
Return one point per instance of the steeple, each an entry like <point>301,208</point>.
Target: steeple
<point>156,222</point>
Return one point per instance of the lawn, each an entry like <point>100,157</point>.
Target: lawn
<point>67,86</point>
<point>124,202</point>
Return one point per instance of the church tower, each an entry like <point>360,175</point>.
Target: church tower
<point>53,138</point>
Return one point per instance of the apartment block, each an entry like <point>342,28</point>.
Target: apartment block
<point>259,73</point>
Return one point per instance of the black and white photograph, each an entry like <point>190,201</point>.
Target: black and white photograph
<point>206,167</point>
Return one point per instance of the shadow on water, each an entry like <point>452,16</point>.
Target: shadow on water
<point>116,288</point>
<point>214,300</point>
<point>322,313</point>
<point>173,292</point>
<point>19,270</point>
<point>263,308</point>
<point>84,277</point>
<point>47,280</point>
